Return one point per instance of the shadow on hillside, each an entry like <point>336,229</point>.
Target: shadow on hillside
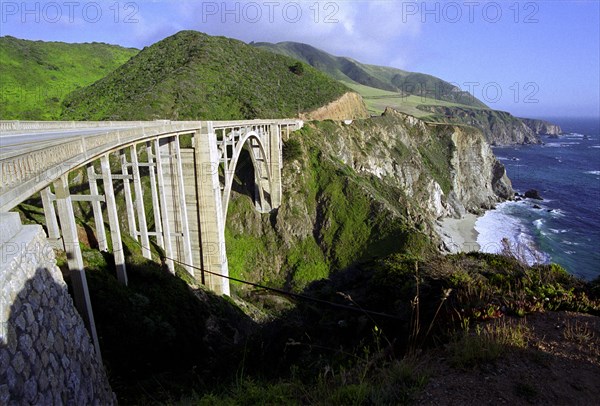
<point>159,336</point>
<point>315,336</point>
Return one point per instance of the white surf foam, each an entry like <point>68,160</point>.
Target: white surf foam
<point>496,225</point>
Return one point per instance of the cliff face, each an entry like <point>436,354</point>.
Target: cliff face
<point>499,127</point>
<point>479,179</point>
<point>542,127</point>
<point>364,189</point>
<point>348,107</point>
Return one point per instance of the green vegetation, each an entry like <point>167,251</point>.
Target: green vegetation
<point>377,100</point>
<point>486,343</point>
<point>437,154</point>
<point>416,94</point>
<point>37,76</point>
<point>191,75</point>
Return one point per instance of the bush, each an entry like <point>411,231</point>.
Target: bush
<point>297,68</point>
<point>292,150</point>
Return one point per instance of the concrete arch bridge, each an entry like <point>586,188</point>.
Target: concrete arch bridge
<point>190,169</point>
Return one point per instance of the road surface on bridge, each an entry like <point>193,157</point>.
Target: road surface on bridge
<point>17,143</point>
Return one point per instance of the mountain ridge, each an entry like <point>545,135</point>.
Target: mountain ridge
<point>419,94</point>
<point>381,77</point>
<point>191,75</point>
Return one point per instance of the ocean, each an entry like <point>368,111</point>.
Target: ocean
<point>564,228</point>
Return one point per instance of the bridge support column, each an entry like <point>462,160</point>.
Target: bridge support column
<point>182,209</point>
<point>161,146</point>
<point>154,192</point>
<point>113,220</point>
<point>275,162</point>
<point>128,199</point>
<point>97,209</point>
<point>74,258</point>
<point>139,203</point>
<point>51,222</point>
<point>210,210</point>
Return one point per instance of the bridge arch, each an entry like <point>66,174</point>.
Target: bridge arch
<point>262,171</point>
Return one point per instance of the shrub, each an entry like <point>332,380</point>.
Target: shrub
<point>297,68</point>
<point>292,150</point>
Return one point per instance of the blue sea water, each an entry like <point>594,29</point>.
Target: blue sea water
<point>566,172</point>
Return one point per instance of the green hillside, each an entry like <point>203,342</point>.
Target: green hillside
<point>394,80</point>
<point>377,100</point>
<point>191,75</point>
<point>36,76</point>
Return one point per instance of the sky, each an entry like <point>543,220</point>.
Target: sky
<point>531,58</point>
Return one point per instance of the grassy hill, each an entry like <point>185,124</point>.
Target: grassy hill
<point>399,83</point>
<point>378,99</point>
<point>191,75</point>
<point>36,75</point>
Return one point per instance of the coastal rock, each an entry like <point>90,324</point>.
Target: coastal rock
<point>542,127</point>
<point>533,194</point>
<point>500,182</point>
<point>499,127</point>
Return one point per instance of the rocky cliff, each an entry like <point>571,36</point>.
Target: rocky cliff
<point>361,190</point>
<point>348,107</point>
<point>499,127</point>
<point>542,127</point>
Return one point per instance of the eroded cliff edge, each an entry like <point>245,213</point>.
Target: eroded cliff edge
<point>349,106</point>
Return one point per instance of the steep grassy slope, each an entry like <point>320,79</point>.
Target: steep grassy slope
<point>195,76</point>
<point>379,77</point>
<point>36,76</point>
<point>377,100</point>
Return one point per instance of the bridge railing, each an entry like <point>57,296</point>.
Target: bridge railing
<point>17,125</point>
<point>23,173</point>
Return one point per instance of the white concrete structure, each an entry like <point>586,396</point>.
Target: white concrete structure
<point>190,187</point>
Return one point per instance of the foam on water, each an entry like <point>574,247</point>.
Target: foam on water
<point>555,231</point>
<point>496,225</point>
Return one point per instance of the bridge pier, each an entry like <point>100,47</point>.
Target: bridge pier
<point>113,220</point>
<point>51,221</point>
<point>210,210</point>
<point>162,149</point>
<point>131,223</point>
<point>139,203</point>
<point>97,209</point>
<point>74,257</point>
<point>276,163</point>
